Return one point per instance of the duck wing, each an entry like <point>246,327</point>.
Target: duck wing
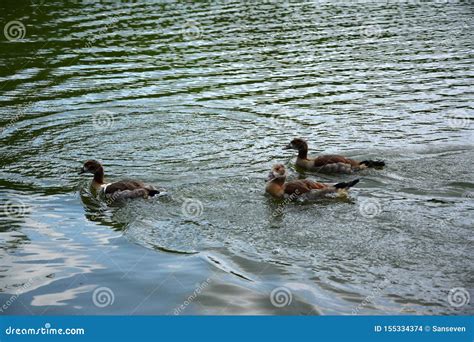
<point>309,187</point>
<point>300,187</point>
<point>123,185</point>
<point>315,185</point>
<point>128,194</point>
<point>327,159</point>
<point>130,189</point>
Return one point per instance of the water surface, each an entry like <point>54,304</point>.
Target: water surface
<point>200,99</point>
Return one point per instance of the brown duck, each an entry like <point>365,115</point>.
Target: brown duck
<point>120,190</point>
<point>279,188</point>
<point>329,163</point>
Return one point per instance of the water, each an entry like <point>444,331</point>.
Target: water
<point>200,99</point>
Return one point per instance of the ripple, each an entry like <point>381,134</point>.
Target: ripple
<point>201,98</point>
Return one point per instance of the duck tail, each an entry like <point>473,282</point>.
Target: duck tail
<point>373,163</point>
<point>153,192</point>
<point>346,185</point>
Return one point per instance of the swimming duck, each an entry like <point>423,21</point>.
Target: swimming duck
<point>121,190</point>
<point>329,162</point>
<point>279,188</point>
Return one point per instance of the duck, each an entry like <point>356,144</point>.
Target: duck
<point>329,163</point>
<point>121,190</point>
<point>278,187</point>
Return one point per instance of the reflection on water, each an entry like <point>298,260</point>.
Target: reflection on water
<point>200,99</point>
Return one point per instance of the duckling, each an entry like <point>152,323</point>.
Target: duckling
<point>279,188</point>
<point>120,190</point>
<point>329,163</point>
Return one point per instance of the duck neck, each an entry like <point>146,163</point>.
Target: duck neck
<point>99,176</point>
<point>303,152</point>
<point>279,181</point>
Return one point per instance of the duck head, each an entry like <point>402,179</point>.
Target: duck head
<point>296,144</point>
<point>300,145</point>
<point>91,166</point>
<point>278,172</point>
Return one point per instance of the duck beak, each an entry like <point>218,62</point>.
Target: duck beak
<point>270,176</point>
<point>288,147</point>
<point>81,171</point>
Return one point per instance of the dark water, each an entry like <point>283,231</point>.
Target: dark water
<point>200,98</point>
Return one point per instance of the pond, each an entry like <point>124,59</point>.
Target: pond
<point>201,98</point>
